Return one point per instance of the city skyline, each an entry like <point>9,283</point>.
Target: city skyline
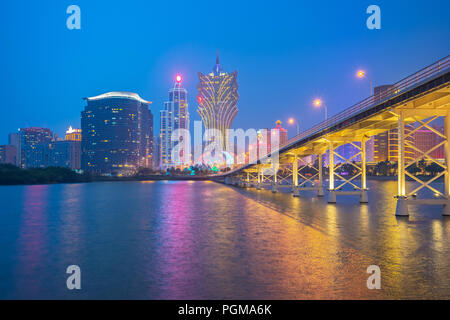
<point>205,152</point>
<point>301,67</point>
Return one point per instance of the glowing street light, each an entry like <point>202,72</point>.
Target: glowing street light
<point>291,121</point>
<point>362,74</point>
<point>318,103</point>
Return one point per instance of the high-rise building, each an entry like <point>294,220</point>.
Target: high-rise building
<point>381,147</point>
<point>393,144</point>
<point>29,138</point>
<point>283,136</point>
<point>217,99</point>
<point>61,153</point>
<point>14,140</point>
<point>370,150</point>
<point>117,129</point>
<point>8,154</point>
<point>156,152</point>
<point>175,115</point>
<point>385,147</point>
<point>425,140</point>
<point>73,134</point>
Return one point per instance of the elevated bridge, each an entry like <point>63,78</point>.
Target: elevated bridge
<point>418,99</point>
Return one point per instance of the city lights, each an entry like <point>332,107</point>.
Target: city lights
<point>318,103</point>
<point>292,121</point>
<point>362,74</point>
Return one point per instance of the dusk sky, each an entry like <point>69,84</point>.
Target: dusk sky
<point>286,54</point>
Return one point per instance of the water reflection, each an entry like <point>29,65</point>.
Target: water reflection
<point>196,240</point>
<point>32,244</point>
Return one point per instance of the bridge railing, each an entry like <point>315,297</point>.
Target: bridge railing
<point>398,87</point>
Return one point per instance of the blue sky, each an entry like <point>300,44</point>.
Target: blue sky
<point>286,53</point>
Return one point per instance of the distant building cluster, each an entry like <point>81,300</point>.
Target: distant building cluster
<point>116,134</point>
<point>37,147</point>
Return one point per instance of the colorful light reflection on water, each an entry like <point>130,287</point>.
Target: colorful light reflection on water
<point>199,240</point>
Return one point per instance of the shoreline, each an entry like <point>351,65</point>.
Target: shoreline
<point>190,178</point>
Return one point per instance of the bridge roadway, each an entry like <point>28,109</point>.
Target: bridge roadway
<point>409,105</point>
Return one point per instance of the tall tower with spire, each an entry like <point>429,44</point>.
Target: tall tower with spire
<point>217,99</point>
<point>175,115</point>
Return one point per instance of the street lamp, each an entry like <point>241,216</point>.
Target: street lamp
<point>318,103</point>
<point>292,121</point>
<point>362,74</point>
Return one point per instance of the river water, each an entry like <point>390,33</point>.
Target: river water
<point>204,240</point>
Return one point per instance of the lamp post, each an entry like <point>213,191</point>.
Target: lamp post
<point>318,103</point>
<point>362,74</point>
<point>292,121</point>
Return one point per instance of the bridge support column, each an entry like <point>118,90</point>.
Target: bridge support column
<point>275,182</point>
<point>363,198</point>
<point>332,192</point>
<point>295,190</point>
<point>320,189</point>
<point>247,181</point>
<point>402,205</point>
<point>446,211</point>
<point>258,186</point>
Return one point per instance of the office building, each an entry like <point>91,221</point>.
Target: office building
<point>28,139</point>
<point>117,133</point>
<point>8,154</point>
<point>174,116</point>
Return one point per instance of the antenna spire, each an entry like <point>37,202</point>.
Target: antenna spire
<point>217,59</point>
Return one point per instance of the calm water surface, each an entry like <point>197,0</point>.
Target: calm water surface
<point>203,240</point>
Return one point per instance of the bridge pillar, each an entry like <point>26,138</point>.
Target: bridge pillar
<point>320,189</point>
<point>247,181</point>
<point>295,190</point>
<point>402,205</point>
<point>447,163</point>
<point>258,186</point>
<point>332,192</point>
<point>275,182</point>
<point>363,198</point>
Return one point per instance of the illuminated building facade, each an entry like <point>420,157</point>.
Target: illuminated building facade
<point>283,134</point>
<point>175,115</point>
<point>73,134</point>
<point>425,140</point>
<point>8,154</point>
<point>66,154</point>
<point>385,145</point>
<point>393,144</point>
<point>117,129</point>
<point>28,140</point>
<point>381,147</point>
<point>217,99</point>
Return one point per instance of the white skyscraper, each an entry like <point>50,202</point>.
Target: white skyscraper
<point>175,115</point>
